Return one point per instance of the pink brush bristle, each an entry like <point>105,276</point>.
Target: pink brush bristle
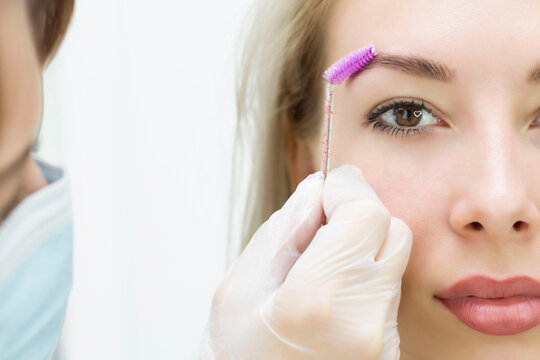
<point>350,64</point>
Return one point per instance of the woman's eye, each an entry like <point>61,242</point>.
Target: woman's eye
<point>401,117</point>
<point>409,116</point>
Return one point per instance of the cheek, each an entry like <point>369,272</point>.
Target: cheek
<point>413,186</point>
<point>419,202</point>
<point>20,88</point>
<point>535,140</point>
<point>422,202</point>
<point>20,101</point>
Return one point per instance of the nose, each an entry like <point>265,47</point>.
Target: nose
<point>496,199</point>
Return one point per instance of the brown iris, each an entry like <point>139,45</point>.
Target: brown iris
<point>408,116</point>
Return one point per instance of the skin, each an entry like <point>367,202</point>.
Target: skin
<point>21,102</point>
<point>480,165</point>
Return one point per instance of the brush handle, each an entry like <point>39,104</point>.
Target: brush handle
<point>327,126</point>
<point>327,135</point>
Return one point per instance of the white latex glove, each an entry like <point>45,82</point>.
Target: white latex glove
<point>302,291</point>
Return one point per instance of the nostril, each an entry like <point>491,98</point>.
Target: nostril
<point>519,225</point>
<point>475,225</point>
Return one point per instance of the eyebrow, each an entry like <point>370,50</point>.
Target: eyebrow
<point>412,65</point>
<point>534,75</point>
<point>423,67</point>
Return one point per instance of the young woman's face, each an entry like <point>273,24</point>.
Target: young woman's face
<point>20,103</point>
<point>466,177</point>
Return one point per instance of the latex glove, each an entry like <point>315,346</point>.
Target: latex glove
<point>302,291</point>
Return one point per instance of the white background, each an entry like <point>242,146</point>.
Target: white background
<point>139,109</point>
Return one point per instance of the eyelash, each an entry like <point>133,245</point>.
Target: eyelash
<point>384,127</point>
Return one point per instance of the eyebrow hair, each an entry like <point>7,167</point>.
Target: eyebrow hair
<point>534,75</point>
<point>420,66</point>
<point>412,65</point>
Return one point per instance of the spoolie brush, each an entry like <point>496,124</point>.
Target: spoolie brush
<point>336,74</point>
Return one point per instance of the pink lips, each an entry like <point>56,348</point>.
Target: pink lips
<point>494,307</point>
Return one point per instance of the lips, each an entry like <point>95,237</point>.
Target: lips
<point>494,307</point>
<point>484,287</point>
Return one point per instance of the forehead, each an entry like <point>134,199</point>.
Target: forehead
<point>480,39</point>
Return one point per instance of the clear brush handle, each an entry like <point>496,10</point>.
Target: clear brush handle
<point>327,136</point>
<point>327,126</point>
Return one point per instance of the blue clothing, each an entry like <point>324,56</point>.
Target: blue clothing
<point>36,271</point>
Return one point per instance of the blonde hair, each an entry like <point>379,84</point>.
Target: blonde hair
<point>279,86</point>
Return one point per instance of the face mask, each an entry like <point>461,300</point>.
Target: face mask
<point>35,273</point>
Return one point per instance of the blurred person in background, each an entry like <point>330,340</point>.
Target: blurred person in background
<point>35,207</point>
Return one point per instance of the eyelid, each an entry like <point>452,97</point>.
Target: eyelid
<point>434,110</point>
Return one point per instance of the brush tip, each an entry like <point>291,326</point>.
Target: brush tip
<point>350,64</point>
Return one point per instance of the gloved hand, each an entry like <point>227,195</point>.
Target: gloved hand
<point>302,291</point>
